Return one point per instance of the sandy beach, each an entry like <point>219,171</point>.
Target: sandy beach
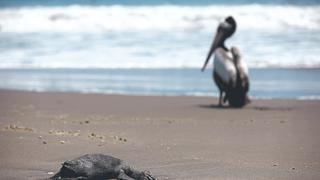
<point>172,137</point>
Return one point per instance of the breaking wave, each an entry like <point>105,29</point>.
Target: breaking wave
<point>95,19</point>
<point>162,36</point>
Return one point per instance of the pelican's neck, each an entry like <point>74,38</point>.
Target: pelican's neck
<point>223,46</point>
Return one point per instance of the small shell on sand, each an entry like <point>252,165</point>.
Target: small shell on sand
<point>14,127</point>
<point>96,136</point>
<point>64,133</point>
<point>120,138</point>
<point>84,122</point>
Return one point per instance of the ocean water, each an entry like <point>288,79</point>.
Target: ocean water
<point>266,83</point>
<point>156,47</point>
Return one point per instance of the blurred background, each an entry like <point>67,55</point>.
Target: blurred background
<point>156,47</point>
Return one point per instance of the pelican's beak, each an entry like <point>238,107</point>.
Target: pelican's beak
<point>220,36</point>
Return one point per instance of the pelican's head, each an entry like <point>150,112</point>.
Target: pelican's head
<point>228,26</point>
<point>225,29</point>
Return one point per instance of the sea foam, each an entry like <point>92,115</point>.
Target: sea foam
<point>99,19</point>
<point>163,36</point>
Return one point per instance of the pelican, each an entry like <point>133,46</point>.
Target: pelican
<point>230,72</point>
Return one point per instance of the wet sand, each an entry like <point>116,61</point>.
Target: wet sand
<point>172,137</point>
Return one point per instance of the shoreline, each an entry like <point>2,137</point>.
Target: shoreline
<point>265,83</point>
<point>214,98</point>
<point>174,137</point>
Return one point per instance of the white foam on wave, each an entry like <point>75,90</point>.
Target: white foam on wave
<point>155,36</point>
<point>96,19</point>
<point>309,98</point>
<point>113,56</point>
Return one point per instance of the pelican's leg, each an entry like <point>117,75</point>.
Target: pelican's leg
<point>220,98</point>
<point>225,98</point>
<point>248,100</point>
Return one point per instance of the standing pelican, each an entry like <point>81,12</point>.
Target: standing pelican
<point>230,72</point>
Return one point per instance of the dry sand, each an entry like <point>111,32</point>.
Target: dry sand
<point>172,137</point>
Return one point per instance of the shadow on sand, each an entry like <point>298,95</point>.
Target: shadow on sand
<point>257,108</point>
<point>215,106</point>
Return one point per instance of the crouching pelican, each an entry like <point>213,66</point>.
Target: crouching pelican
<point>230,72</point>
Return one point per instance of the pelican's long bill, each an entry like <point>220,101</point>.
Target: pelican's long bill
<point>218,39</point>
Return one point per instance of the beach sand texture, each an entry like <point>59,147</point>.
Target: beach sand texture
<point>172,137</point>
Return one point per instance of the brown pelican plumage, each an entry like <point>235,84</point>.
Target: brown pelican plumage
<point>230,72</point>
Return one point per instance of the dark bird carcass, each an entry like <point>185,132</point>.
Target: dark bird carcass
<point>98,167</point>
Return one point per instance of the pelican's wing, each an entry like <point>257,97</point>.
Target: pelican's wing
<point>244,75</point>
<point>242,67</point>
<point>224,66</point>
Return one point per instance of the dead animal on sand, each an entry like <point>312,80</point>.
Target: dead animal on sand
<point>98,166</point>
